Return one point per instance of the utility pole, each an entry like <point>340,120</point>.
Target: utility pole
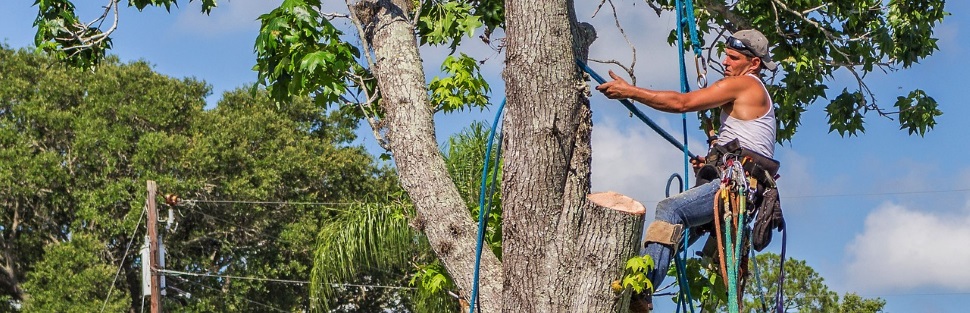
<point>153,248</point>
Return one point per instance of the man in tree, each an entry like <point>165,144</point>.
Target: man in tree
<point>747,115</point>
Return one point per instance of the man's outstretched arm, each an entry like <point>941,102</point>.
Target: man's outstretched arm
<point>721,92</point>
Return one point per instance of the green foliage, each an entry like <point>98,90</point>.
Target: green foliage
<point>853,303</point>
<point>815,38</point>
<point>361,239</point>
<point>805,290</point>
<point>917,112</point>
<point>71,278</point>
<point>707,286</point>
<point>59,32</point>
<point>464,156</point>
<point>77,150</point>
<point>375,243</point>
<point>207,5</point>
<point>635,274</point>
<point>446,22</point>
<point>491,13</point>
<point>464,87</point>
<point>433,281</point>
<point>299,52</point>
<point>844,115</point>
<point>432,278</point>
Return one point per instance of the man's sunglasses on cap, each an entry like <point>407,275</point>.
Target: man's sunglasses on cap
<point>737,44</point>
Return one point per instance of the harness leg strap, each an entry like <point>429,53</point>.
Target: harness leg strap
<point>664,233</point>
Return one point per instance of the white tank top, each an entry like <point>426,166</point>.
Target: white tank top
<point>757,135</point>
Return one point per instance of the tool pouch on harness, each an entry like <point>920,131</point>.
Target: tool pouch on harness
<point>763,170</point>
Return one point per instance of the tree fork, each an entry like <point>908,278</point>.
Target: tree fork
<point>410,133</point>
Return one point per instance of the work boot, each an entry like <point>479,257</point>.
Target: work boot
<point>641,303</point>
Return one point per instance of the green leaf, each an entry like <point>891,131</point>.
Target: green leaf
<point>464,87</point>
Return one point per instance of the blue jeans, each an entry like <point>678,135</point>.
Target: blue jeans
<point>694,207</point>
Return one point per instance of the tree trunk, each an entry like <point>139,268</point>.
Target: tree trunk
<point>442,215</point>
<point>560,252</point>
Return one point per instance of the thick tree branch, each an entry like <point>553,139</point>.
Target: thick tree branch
<point>735,22</point>
<point>441,213</point>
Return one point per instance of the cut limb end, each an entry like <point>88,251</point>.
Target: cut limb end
<point>616,201</point>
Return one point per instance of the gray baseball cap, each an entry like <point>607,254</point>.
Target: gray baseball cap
<point>752,41</point>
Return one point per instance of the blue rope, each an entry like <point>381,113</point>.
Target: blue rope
<point>481,208</point>
<point>757,274</point>
<point>780,296</point>
<point>681,257</point>
<point>684,298</point>
<point>693,30</point>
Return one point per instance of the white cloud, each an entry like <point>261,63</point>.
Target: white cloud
<point>228,17</point>
<point>904,248</point>
<point>633,161</point>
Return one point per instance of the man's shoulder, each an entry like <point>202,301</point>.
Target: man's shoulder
<point>743,81</point>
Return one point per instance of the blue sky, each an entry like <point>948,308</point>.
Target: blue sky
<point>884,214</point>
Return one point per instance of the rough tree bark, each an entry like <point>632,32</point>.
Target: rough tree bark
<point>560,252</point>
<point>442,215</point>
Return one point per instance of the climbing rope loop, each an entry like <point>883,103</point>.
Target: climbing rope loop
<point>484,207</point>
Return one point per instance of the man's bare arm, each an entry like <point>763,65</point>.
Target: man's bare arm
<point>720,93</point>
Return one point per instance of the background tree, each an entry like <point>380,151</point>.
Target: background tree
<point>805,290</point>
<point>71,277</point>
<point>559,251</point>
<point>77,147</point>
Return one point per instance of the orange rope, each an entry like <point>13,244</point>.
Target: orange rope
<point>718,197</point>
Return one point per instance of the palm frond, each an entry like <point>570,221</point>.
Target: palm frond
<point>367,238</point>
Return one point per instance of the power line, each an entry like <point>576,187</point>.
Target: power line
<point>243,298</point>
<point>877,193</point>
<point>923,294</point>
<point>784,197</point>
<point>288,281</point>
<point>123,257</point>
<point>374,286</point>
<point>251,230</point>
<point>272,202</point>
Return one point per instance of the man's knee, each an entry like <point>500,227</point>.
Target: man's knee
<point>664,233</point>
<point>667,211</point>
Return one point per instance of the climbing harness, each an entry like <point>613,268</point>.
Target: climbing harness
<point>747,194</point>
<point>483,207</point>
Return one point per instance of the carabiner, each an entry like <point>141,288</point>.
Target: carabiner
<point>699,64</point>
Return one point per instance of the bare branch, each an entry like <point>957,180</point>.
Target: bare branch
<point>107,10</point>
<point>362,34</point>
<point>829,37</point>
<point>417,14</point>
<point>371,99</point>
<point>89,42</point>
<point>653,6</point>
<point>334,15</point>
<point>633,49</point>
<point>814,9</point>
<point>598,7</point>
<point>628,70</point>
<point>735,22</point>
